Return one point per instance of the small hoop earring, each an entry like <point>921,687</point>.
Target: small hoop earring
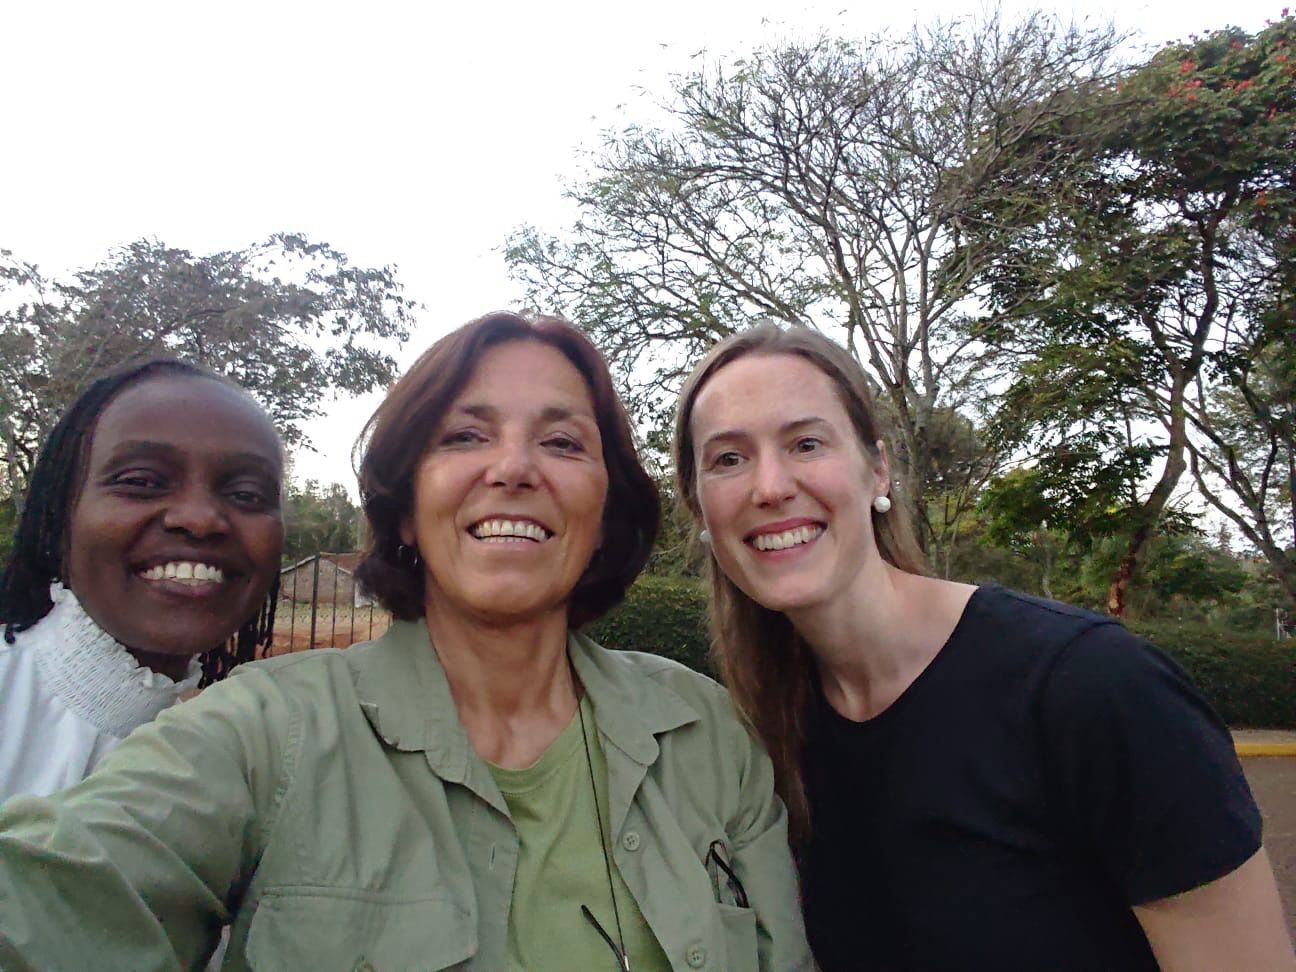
<point>408,557</point>
<point>705,536</point>
<point>882,503</point>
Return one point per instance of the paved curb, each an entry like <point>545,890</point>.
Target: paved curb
<point>1265,748</point>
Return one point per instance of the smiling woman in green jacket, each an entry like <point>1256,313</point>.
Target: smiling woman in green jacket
<point>480,788</point>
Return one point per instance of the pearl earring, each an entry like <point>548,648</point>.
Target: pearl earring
<point>705,536</point>
<point>881,503</point>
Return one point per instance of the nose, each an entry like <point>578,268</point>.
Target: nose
<point>512,464</point>
<point>197,511</point>
<point>772,482</point>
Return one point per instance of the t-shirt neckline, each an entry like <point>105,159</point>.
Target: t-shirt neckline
<point>834,719</point>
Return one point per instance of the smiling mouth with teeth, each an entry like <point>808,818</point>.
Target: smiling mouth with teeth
<point>788,538</point>
<point>186,572</point>
<point>509,531</point>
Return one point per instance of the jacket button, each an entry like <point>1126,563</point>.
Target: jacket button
<point>630,841</point>
<point>696,957</point>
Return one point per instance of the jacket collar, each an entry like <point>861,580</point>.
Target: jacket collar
<point>405,695</point>
<point>630,708</point>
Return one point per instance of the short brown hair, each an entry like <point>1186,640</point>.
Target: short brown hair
<point>765,663</point>
<point>395,439</point>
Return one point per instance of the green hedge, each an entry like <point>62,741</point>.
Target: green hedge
<point>663,616</point>
<point>1250,681</point>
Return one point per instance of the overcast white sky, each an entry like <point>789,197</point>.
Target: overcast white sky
<point>407,133</point>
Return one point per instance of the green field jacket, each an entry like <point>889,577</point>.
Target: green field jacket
<point>330,806</point>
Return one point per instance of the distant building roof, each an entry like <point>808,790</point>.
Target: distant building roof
<point>345,562</point>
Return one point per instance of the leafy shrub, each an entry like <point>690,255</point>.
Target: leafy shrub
<point>1250,680</point>
<point>662,615</point>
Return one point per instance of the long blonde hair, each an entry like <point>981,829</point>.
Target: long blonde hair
<point>766,664</point>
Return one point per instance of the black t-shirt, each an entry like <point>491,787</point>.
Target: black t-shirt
<point>1047,771</point>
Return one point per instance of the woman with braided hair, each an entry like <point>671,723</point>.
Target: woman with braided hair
<point>151,536</point>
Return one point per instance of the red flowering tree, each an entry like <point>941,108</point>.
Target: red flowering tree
<point>1150,286</point>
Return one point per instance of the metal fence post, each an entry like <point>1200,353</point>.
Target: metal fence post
<point>314,598</point>
<point>333,613</point>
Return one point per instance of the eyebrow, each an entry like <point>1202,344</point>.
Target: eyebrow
<point>787,428</point>
<point>550,413</point>
<point>143,447</point>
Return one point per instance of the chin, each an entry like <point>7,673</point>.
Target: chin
<point>788,605</point>
<point>782,599</point>
<point>177,647</point>
<point>512,607</point>
<point>181,643</point>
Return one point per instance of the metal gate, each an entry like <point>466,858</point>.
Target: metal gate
<point>322,606</point>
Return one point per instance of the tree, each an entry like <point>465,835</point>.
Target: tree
<point>676,553</point>
<point>319,518</point>
<point>1183,578</point>
<point>819,184</point>
<point>1243,457</point>
<point>1143,287</point>
<point>960,463</point>
<point>1068,502</point>
<point>8,527</point>
<point>289,320</point>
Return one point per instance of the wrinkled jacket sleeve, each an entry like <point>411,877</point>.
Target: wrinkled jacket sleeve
<point>763,861</point>
<point>136,867</point>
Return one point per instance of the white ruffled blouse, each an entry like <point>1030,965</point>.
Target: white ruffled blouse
<point>68,693</point>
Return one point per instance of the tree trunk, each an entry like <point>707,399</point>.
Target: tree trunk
<point>15,480</point>
<point>1291,492</point>
<point>1152,509</point>
<point>1285,570</point>
<point>919,456</point>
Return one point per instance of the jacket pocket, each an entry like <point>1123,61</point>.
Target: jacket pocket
<point>740,938</point>
<point>357,932</point>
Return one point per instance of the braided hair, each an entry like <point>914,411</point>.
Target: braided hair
<point>41,539</point>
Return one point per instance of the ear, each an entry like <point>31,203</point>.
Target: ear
<point>407,531</point>
<point>881,484</point>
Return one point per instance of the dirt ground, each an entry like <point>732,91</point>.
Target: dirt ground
<point>293,628</point>
<point>1273,782</point>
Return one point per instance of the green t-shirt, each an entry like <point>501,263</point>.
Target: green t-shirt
<point>561,865</point>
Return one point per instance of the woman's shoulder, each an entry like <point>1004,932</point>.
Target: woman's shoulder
<point>16,652</point>
<point>1081,659</point>
<point>657,683</point>
<point>335,685</point>
<point>299,669</point>
<point>995,609</point>
<point>1008,638</point>
<point>283,690</point>
<point>312,667</point>
<point>659,668</point>
<point>1005,600</point>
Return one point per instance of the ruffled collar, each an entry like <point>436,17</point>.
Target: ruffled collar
<point>94,674</point>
